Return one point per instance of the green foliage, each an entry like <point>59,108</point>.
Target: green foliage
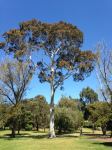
<point>28,127</point>
<point>40,112</point>
<point>69,103</point>
<point>88,96</point>
<point>4,115</point>
<point>36,112</point>
<point>67,120</point>
<point>100,114</point>
<point>29,114</point>
<point>87,124</point>
<point>68,117</point>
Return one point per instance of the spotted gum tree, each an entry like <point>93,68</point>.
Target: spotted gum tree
<point>58,46</point>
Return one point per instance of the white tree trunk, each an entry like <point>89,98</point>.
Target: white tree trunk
<point>51,130</point>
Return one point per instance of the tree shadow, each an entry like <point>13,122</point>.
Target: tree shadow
<point>66,136</point>
<point>21,136</point>
<point>38,132</point>
<point>95,135</point>
<point>109,144</point>
<point>91,134</point>
<point>27,135</point>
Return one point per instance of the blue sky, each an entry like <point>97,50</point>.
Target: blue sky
<point>92,17</point>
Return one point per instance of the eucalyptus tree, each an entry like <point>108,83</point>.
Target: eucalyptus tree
<point>58,46</point>
<point>14,79</point>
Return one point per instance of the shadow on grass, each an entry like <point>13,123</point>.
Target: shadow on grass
<point>90,134</point>
<point>66,136</point>
<point>96,135</point>
<point>27,135</point>
<point>21,136</point>
<point>109,144</point>
<point>39,131</point>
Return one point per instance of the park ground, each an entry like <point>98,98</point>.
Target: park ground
<point>32,140</point>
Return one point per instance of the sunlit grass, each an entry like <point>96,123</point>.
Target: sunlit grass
<point>32,140</point>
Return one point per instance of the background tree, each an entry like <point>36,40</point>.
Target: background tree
<point>104,70</point>
<point>59,45</point>
<point>109,124</point>
<point>35,113</point>
<point>104,73</point>
<point>40,111</point>
<point>14,79</point>
<point>69,102</point>
<point>4,115</point>
<point>68,117</point>
<point>100,115</point>
<point>87,96</point>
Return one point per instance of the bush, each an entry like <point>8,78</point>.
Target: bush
<point>28,127</point>
<point>67,120</point>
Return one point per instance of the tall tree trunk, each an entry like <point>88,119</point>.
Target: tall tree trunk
<point>59,130</point>
<point>104,130</point>
<point>51,131</point>
<point>37,127</point>
<point>18,130</point>
<point>19,127</point>
<point>111,134</point>
<point>3,127</point>
<point>13,128</point>
<point>44,129</point>
<point>80,130</point>
<point>93,128</point>
<point>13,133</point>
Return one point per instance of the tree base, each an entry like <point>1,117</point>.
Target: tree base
<point>52,137</point>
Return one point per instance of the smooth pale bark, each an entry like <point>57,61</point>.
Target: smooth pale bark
<point>51,130</point>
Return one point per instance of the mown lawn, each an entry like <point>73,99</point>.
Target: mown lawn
<point>39,141</point>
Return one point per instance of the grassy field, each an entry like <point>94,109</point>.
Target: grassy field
<point>39,141</point>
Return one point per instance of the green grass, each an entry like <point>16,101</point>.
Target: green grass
<point>39,141</point>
